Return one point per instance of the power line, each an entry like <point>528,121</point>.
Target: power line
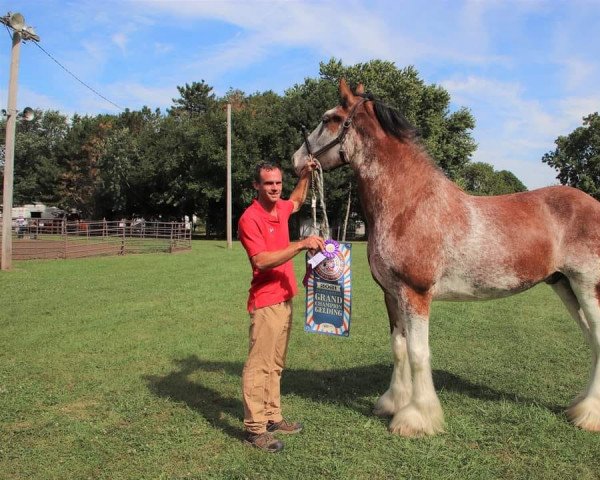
<point>8,31</point>
<point>76,78</point>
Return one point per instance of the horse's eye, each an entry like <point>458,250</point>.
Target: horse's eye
<point>325,118</point>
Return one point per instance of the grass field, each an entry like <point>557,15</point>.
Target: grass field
<point>129,368</point>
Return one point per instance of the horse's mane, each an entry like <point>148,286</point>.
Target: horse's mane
<point>391,120</point>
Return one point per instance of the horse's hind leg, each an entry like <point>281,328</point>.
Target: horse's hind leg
<point>400,389</point>
<point>585,410</point>
<point>564,291</point>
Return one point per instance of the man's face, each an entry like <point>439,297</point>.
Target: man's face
<point>269,188</point>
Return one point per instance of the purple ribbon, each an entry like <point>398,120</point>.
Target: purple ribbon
<point>331,248</point>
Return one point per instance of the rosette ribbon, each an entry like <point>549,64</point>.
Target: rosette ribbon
<point>332,248</point>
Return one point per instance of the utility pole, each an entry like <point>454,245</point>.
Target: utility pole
<point>20,32</point>
<point>229,239</point>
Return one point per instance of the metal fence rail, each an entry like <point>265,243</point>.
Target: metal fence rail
<point>61,239</point>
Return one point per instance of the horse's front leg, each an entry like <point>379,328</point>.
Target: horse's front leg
<point>400,390</point>
<point>423,414</point>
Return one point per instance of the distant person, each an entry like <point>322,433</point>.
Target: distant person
<point>33,230</point>
<point>21,226</point>
<point>264,233</point>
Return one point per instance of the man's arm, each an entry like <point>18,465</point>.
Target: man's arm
<point>298,196</point>
<point>266,260</point>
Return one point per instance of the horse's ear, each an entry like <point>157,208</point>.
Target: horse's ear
<point>345,93</point>
<point>360,89</point>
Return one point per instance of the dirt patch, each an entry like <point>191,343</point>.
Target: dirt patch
<point>81,409</point>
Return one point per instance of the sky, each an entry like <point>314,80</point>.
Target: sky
<point>528,71</point>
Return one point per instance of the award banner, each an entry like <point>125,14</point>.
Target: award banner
<point>329,290</point>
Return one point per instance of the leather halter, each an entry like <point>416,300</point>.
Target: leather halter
<point>339,139</point>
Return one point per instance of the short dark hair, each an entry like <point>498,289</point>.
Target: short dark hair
<point>268,166</point>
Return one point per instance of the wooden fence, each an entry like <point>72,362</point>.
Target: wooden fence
<point>61,239</point>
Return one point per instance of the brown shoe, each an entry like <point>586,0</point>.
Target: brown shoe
<point>284,427</point>
<point>264,441</point>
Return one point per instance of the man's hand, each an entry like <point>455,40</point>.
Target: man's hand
<point>265,260</point>
<point>298,196</point>
<point>313,243</point>
<point>311,164</point>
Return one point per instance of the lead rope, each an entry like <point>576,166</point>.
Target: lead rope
<point>317,178</point>
<point>313,203</point>
<point>317,190</point>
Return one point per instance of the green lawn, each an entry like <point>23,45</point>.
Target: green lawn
<point>129,368</point>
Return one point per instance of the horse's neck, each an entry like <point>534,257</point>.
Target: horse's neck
<point>395,178</point>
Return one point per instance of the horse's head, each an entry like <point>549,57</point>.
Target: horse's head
<point>333,142</point>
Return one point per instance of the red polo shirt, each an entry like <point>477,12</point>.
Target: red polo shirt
<point>261,232</point>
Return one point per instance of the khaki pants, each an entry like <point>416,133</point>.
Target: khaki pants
<point>270,330</point>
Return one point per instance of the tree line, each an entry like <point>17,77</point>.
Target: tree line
<point>170,164</point>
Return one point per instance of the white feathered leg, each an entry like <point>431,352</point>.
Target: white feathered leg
<point>585,410</point>
<point>399,392</point>
<point>423,414</point>
<point>565,293</point>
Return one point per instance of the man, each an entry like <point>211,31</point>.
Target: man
<point>263,231</point>
<point>21,226</point>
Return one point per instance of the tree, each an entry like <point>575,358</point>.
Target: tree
<point>194,99</point>
<point>135,158</point>
<point>38,149</point>
<point>84,146</point>
<point>117,161</point>
<point>577,157</point>
<point>481,179</point>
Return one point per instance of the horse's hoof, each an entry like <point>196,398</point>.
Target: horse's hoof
<point>380,412</point>
<point>406,431</point>
<point>384,406</point>
<point>412,422</point>
<point>585,413</point>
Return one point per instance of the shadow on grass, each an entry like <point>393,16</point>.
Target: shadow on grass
<point>208,402</point>
<point>351,387</point>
